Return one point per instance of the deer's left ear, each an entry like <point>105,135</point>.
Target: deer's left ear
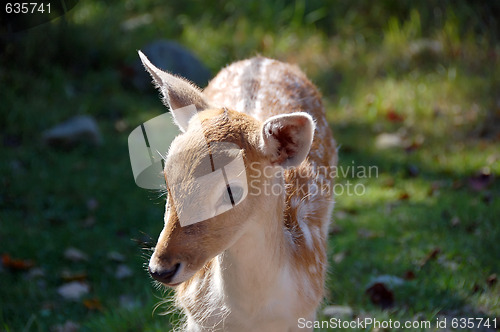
<point>287,138</point>
<point>178,94</point>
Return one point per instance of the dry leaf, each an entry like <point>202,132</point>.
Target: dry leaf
<point>481,181</point>
<point>73,276</point>
<point>404,196</point>
<point>389,182</point>
<point>16,264</point>
<point>492,280</point>
<point>430,256</point>
<point>394,116</point>
<point>93,304</point>
<point>380,295</point>
<point>409,275</point>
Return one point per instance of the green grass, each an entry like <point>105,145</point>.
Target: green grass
<point>435,68</point>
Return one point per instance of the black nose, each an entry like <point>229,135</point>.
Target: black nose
<point>164,275</point>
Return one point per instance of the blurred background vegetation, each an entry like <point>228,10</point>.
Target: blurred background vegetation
<point>412,87</point>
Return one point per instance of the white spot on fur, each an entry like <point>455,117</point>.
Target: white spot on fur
<point>326,223</point>
<point>313,269</point>
<point>259,100</point>
<point>307,286</point>
<point>306,232</point>
<point>315,232</point>
<point>295,202</point>
<point>289,238</point>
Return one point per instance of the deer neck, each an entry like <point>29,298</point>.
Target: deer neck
<point>251,267</point>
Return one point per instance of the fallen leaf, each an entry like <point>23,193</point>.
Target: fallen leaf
<point>475,288</point>
<point>389,182</point>
<point>413,146</point>
<point>492,280</point>
<point>73,290</point>
<point>394,116</point>
<point>93,304</point>
<point>409,275</point>
<point>16,264</point>
<point>404,196</point>
<point>430,256</point>
<point>73,276</point>
<point>75,255</point>
<point>481,181</point>
<point>380,295</point>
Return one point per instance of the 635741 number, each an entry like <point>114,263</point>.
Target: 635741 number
<point>26,7</point>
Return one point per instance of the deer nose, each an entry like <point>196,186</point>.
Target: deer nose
<point>164,275</point>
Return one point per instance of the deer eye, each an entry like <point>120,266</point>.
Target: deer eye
<point>233,194</point>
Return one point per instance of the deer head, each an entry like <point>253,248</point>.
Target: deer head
<point>215,171</point>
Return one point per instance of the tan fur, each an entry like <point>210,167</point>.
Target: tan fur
<point>260,266</point>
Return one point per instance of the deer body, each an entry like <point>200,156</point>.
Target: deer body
<point>260,266</point>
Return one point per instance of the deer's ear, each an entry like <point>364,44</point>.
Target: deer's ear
<point>286,139</point>
<point>178,93</point>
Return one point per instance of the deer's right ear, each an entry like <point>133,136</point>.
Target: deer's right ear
<point>177,92</point>
<point>287,138</point>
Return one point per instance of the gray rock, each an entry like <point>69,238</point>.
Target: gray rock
<point>425,47</point>
<point>73,290</point>
<point>78,129</point>
<point>390,281</point>
<point>172,57</point>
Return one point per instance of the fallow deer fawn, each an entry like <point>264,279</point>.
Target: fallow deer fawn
<point>260,265</point>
